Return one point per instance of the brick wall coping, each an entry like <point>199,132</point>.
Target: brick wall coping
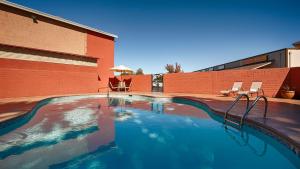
<point>46,51</point>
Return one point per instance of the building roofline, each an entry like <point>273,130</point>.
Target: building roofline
<point>296,43</point>
<point>245,58</point>
<point>14,5</point>
<point>253,56</point>
<point>293,48</point>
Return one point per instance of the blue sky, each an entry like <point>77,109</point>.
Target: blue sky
<point>196,34</point>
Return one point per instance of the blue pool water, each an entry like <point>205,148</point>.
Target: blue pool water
<point>124,132</point>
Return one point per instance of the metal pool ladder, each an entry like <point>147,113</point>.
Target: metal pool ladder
<point>248,109</point>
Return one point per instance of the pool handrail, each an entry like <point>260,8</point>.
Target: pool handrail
<point>248,109</point>
<point>232,105</point>
<point>252,105</point>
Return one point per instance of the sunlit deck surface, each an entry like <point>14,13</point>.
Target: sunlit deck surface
<point>283,117</point>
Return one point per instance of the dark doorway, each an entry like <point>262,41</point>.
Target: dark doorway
<point>157,83</point>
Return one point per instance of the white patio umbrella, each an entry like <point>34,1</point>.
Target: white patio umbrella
<point>121,69</point>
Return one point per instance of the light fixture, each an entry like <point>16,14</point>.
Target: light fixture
<point>34,18</point>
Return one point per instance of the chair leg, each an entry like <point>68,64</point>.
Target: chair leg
<point>262,91</point>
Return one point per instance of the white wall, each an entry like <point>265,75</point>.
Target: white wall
<point>294,58</point>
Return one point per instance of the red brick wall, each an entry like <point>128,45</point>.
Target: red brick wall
<point>294,80</point>
<point>26,78</point>
<point>140,83</point>
<point>102,47</point>
<point>214,82</point>
<point>188,83</point>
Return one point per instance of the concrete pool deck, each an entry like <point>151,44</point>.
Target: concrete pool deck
<point>283,117</point>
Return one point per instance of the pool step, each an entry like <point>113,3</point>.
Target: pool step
<point>233,122</point>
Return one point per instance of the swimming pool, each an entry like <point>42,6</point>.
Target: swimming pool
<point>131,132</point>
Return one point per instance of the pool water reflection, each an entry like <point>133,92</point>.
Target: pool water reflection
<point>134,132</point>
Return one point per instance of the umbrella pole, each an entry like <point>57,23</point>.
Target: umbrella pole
<point>121,97</point>
<point>121,75</point>
<point>121,80</point>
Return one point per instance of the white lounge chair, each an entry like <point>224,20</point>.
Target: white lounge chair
<point>235,88</point>
<point>255,88</point>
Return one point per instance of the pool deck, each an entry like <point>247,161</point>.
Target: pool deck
<point>283,117</point>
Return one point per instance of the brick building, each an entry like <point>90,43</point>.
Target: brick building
<point>41,54</point>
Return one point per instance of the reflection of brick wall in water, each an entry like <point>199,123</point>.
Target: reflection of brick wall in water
<point>106,133</point>
<point>169,108</point>
<point>184,110</point>
<point>104,114</point>
<point>50,123</point>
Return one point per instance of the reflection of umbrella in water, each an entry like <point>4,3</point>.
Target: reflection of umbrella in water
<point>122,114</point>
